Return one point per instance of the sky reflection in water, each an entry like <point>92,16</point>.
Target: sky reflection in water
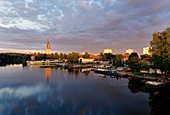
<point>33,90</point>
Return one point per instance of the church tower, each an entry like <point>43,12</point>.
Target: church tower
<point>48,49</point>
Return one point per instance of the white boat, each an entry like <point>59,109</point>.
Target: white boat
<point>102,70</point>
<point>157,84</point>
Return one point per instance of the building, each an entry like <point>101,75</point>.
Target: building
<point>129,51</point>
<point>33,56</point>
<point>146,51</point>
<point>126,57</point>
<point>108,51</point>
<point>103,61</point>
<point>83,53</point>
<point>94,56</point>
<point>48,49</point>
<point>86,60</point>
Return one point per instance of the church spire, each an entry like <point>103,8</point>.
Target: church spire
<point>48,49</point>
<point>48,41</point>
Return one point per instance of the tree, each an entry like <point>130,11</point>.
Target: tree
<point>56,56</point>
<point>61,56</point>
<point>101,55</point>
<point>65,56</point>
<point>145,56</point>
<point>143,65</point>
<point>133,62</point>
<point>86,55</point>
<point>133,55</point>
<point>73,57</point>
<point>108,56</point>
<point>19,60</point>
<point>160,49</point>
<point>118,63</point>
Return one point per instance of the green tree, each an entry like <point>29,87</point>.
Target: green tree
<point>133,55</point>
<point>61,56</point>
<point>119,63</point>
<point>19,60</point>
<point>73,57</point>
<point>86,55</point>
<point>145,56</point>
<point>160,49</point>
<point>143,65</point>
<point>101,55</point>
<point>133,62</point>
<point>65,56</point>
<point>56,56</point>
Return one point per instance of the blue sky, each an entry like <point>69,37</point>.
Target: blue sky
<point>80,25</point>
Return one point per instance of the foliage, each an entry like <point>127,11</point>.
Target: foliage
<point>133,55</point>
<point>61,55</point>
<point>119,56</point>
<point>86,55</point>
<point>143,65</point>
<point>160,49</point>
<point>40,57</point>
<point>119,63</point>
<point>145,56</point>
<point>73,57</point>
<point>56,56</point>
<point>133,62</point>
<point>107,56</point>
<point>14,59</point>
<point>65,56</point>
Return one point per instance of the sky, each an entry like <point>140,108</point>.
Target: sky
<point>80,25</point>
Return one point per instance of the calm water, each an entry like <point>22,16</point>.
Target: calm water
<point>38,91</point>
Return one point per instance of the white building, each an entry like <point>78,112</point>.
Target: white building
<point>146,51</point>
<point>86,60</point>
<point>83,53</point>
<point>129,51</point>
<point>108,51</point>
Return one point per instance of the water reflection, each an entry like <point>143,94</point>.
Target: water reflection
<point>48,74</point>
<point>75,92</point>
<point>159,101</point>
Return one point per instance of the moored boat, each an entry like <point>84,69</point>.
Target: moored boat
<point>157,85</point>
<point>102,70</point>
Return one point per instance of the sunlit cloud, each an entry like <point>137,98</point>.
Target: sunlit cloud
<point>115,24</point>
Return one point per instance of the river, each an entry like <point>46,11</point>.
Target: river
<point>46,91</point>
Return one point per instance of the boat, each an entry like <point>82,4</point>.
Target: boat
<point>157,85</point>
<point>102,70</point>
<point>40,63</point>
<point>112,72</point>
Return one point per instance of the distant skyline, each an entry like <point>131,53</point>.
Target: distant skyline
<point>80,25</point>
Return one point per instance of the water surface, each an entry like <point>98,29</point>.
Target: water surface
<point>38,91</point>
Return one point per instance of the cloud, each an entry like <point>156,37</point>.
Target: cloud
<point>21,92</point>
<point>87,25</point>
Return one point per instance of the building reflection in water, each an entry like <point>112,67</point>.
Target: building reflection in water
<point>64,74</point>
<point>48,74</point>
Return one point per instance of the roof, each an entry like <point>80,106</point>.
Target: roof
<point>35,54</point>
<point>87,58</point>
<point>102,60</point>
<point>126,55</point>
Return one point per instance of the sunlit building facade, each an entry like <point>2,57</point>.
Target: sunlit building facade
<point>108,51</point>
<point>129,51</point>
<point>48,49</point>
<point>146,51</point>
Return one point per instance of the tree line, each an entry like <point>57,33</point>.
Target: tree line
<point>14,59</point>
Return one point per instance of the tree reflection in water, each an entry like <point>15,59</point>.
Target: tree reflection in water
<point>158,101</point>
